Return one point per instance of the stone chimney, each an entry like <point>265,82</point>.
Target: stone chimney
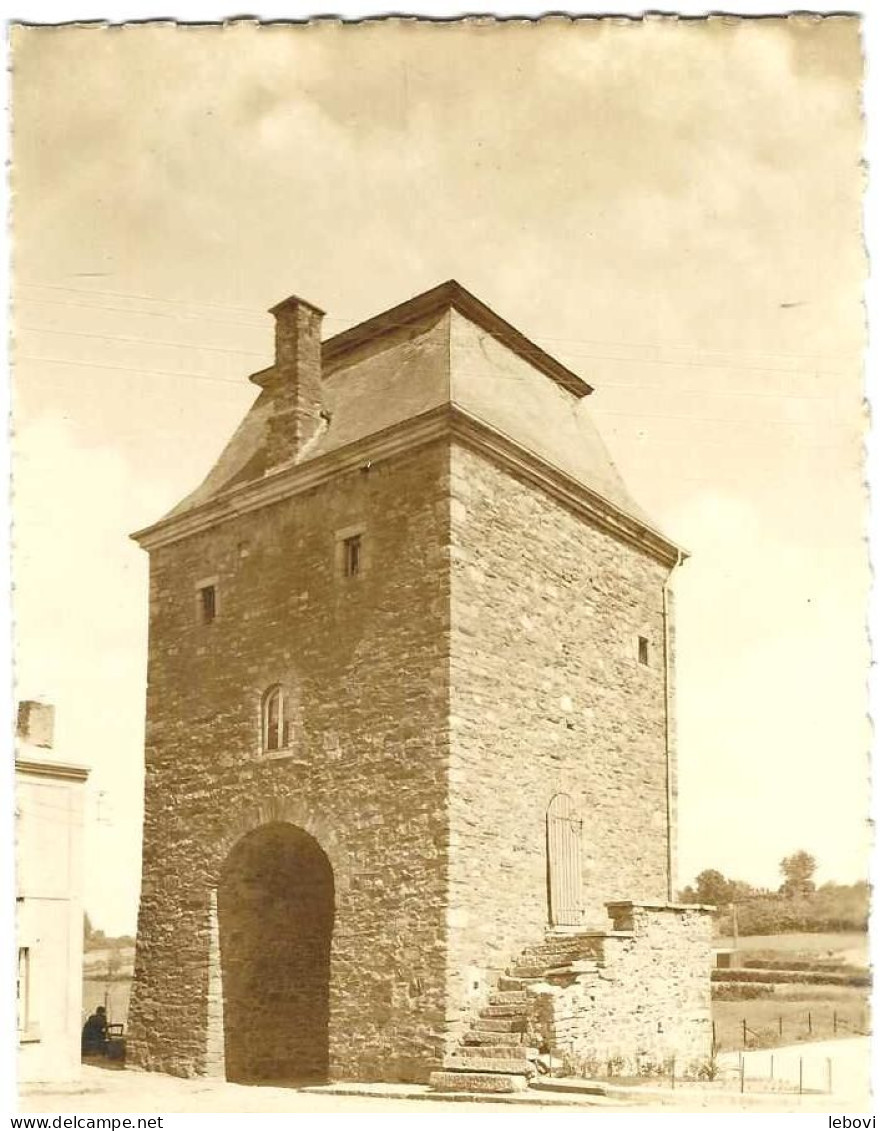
<point>296,383</point>
<point>36,723</point>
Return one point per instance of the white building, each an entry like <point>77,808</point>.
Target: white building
<point>49,900</point>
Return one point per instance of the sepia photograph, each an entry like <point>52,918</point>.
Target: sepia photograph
<point>440,565</point>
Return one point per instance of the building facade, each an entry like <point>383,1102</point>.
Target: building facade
<point>49,901</point>
<point>409,703</point>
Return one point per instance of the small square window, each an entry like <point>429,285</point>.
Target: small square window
<point>642,654</point>
<point>352,555</point>
<point>208,604</point>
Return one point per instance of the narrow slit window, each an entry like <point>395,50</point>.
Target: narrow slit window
<point>642,653</point>
<point>274,720</point>
<point>208,604</point>
<point>352,555</point>
<point>23,989</point>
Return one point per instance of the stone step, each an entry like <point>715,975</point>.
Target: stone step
<point>498,1024</point>
<point>489,1039</point>
<point>559,951</point>
<point>558,946</point>
<point>507,984</point>
<point>565,946</point>
<point>477,1082</point>
<point>538,972</point>
<point>511,1051</point>
<point>517,1009</point>
<point>487,1064</point>
<point>508,997</point>
<point>543,962</point>
<point>576,966</point>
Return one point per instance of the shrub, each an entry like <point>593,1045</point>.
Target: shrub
<point>805,977</point>
<point>818,966</point>
<point>706,1069</point>
<point>833,907</point>
<point>741,991</point>
<point>615,1066</point>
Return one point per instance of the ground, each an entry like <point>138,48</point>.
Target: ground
<point>772,1021</point>
<point>844,1063</point>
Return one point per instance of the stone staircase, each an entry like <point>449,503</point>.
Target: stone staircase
<point>558,954</point>
<point>498,1053</point>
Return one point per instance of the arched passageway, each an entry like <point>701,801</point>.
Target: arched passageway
<point>276,907</point>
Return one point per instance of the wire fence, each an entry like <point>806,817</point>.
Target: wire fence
<point>800,1075</point>
<point>789,1027</point>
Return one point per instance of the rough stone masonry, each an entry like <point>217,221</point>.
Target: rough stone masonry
<point>409,708</point>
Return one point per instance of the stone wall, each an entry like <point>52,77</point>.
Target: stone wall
<point>364,664</point>
<point>646,1003</point>
<point>548,695</point>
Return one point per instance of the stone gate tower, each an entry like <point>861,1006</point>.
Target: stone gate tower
<point>408,714</point>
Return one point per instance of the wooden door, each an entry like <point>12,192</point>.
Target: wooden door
<point>564,863</point>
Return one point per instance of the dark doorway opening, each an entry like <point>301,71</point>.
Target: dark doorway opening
<point>276,908</point>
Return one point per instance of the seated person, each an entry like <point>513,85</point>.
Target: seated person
<point>94,1041</point>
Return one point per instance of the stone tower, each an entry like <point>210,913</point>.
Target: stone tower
<point>409,701</point>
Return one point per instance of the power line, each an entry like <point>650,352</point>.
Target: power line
<point>692,364</point>
<point>357,319</point>
<point>134,295</point>
<point>141,341</point>
<point>678,362</point>
<point>129,369</point>
<point>593,357</point>
<point>596,412</point>
<point>144,313</point>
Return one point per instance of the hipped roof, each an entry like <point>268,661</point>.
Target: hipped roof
<point>443,347</point>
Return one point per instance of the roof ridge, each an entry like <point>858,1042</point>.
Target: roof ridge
<point>453,294</point>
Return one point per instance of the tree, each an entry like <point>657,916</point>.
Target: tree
<point>92,939</point>
<point>712,887</point>
<point>114,960</point>
<point>798,871</point>
<point>742,891</point>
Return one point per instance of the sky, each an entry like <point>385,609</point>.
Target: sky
<point>671,209</point>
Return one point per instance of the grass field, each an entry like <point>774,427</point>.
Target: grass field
<point>776,1020</point>
<point>95,962</point>
<point>783,1016</point>
<point>851,946</point>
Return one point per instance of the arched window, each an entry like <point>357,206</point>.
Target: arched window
<point>273,719</point>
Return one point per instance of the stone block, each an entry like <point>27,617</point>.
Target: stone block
<point>512,1051</point>
<point>498,1024</point>
<point>477,1082</point>
<point>507,1037</point>
<point>469,1063</point>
